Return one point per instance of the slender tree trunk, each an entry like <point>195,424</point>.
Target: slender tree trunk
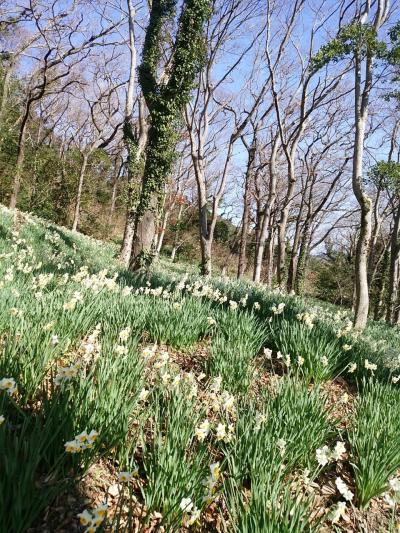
<point>77,211</point>
<point>362,251</point>
<point>303,257</point>
<point>206,264</point>
<point>269,256</point>
<point>113,200</point>
<point>161,234</point>
<point>269,207</point>
<point>295,250</point>
<point>283,222</point>
<point>259,255</point>
<point>242,263</point>
<point>393,288</point>
<point>133,156</point>
<point>379,310</point>
<point>205,241</point>
<point>177,233</point>
<point>18,166</point>
<point>4,96</point>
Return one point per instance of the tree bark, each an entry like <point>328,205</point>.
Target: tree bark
<point>393,287</point>
<point>242,263</point>
<point>283,222</point>
<point>268,208</point>
<point>379,310</point>
<point>19,164</point>
<point>303,257</point>
<point>161,233</point>
<point>361,306</point>
<point>6,90</point>
<point>129,230</point>
<point>269,256</point>
<point>292,272</point>
<point>77,211</point>
<point>144,236</point>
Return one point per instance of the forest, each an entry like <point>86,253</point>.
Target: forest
<point>200,266</point>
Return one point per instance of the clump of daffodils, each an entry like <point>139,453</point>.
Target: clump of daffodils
<point>203,430</point>
<point>8,385</point>
<point>338,512</point>
<point>120,349</point>
<point>149,351</point>
<point>306,318</point>
<point>14,311</point>
<point>93,519</point>
<point>268,353</point>
<point>370,366</point>
<point>348,326</point>
<point>224,432</point>
<point>392,496</point>
<point>66,373</point>
<point>90,348</point>
<point>143,395</point>
<point>352,368</point>
<point>72,303</point>
<point>278,309</point>
<point>126,477</point>
<point>344,489</point>
<point>325,455</point>
<point>281,445</point>
<point>210,483</point>
<point>124,334</point>
<point>260,419</point>
<point>191,513</point>
<point>81,442</point>
<point>233,305</point>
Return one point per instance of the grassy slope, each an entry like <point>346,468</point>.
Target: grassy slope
<point>49,312</point>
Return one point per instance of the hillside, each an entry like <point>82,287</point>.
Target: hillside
<point>175,403</point>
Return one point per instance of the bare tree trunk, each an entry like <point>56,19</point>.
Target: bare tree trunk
<point>75,222</point>
<point>379,310</point>
<point>361,98</point>
<point>133,158</point>
<point>19,165</point>
<point>283,222</point>
<point>205,242</point>
<point>134,174</point>
<point>4,96</point>
<point>393,287</point>
<point>176,236</point>
<point>113,200</point>
<point>270,204</point>
<point>361,271</point>
<point>269,256</point>
<point>114,191</point>
<point>242,263</point>
<point>144,235</point>
<point>161,234</point>
<point>295,249</point>
<point>303,257</point>
<point>206,265</point>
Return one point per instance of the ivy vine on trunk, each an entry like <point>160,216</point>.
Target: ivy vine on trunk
<point>165,100</point>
